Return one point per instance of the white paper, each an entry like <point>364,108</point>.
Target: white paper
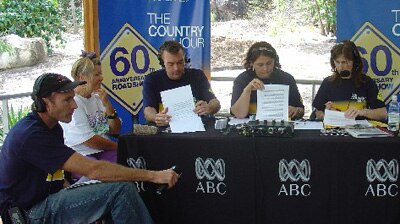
<point>366,132</point>
<point>272,102</point>
<point>236,121</point>
<point>337,119</point>
<point>180,104</point>
<point>83,181</point>
<point>308,125</point>
<point>364,123</point>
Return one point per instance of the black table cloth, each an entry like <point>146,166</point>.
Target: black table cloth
<point>235,179</point>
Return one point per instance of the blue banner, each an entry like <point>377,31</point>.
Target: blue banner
<point>374,26</point>
<point>130,33</point>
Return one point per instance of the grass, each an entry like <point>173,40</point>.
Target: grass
<point>13,117</point>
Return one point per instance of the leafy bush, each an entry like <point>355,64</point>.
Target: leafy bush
<point>13,118</point>
<point>320,12</point>
<point>32,18</point>
<point>4,47</point>
<point>67,13</point>
<point>255,7</point>
<point>223,10</point>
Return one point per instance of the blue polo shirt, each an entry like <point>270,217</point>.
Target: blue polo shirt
<point>30,153</point>
<point>344,94</point>
<point>158,81</point>
<point>277,77</point>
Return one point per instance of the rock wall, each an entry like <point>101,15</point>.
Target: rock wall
<point>25,52</point>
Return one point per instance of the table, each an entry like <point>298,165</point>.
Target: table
<point>235,179</point>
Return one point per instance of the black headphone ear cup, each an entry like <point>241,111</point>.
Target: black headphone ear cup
<point>160,60</point>
<point>356,64</point>
<point>41,106</point>
<point>357,58</point>
<point>187,60</point>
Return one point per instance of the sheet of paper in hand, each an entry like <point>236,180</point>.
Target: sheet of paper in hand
<point>272,103</point>
<point>333,119</point>
<point>83,182</point>
<point>180,104</point>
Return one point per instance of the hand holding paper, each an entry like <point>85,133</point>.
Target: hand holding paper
<point>179,102</point>
<point>202,108</point>
<point>272,102</point>
<point>162,118</point>
<point>337,119</point>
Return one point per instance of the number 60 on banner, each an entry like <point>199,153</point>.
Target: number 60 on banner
<point>385,65</point>
<point>138,59</point>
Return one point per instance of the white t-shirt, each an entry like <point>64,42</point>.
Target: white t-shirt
<point>88,120</point>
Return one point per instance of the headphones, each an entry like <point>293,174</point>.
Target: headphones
<point>161,61</point>
<point>258,49</point>
<point>356,56</point>
<point>172,46</point>
<point>38,103</point>
<point>357,62</point>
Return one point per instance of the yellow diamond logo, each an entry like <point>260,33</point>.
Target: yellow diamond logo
<point>381,59</point>
<point>126,61</point>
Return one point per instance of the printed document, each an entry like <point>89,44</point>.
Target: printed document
<point>308,125</point>
<point>367,132</point>
<point>336,119</point>
<point>272,103</point>
<point>180,104</point>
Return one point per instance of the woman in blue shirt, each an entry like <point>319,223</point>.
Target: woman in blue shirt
<point>348,89</point>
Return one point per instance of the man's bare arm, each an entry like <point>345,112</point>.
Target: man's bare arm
<point>110,172</point>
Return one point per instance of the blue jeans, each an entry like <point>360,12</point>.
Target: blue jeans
<point>118,201</point>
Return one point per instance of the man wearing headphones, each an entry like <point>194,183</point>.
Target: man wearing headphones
<point>173,75</point>
<point>34,156</point>
<point>348,89</point>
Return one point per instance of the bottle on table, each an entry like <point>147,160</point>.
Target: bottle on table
<point>393,115</point>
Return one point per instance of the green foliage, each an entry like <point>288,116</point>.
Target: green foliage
<point>255,7</point>
<point>281,5</point>
<point>32,18</point>
<point>223,10</point>
<point>66,11</point>
<point>321,12</point>
<point>4,47</point>
<point>13,118</point>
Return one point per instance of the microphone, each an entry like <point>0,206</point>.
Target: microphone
<point>345,74</point>
<point>162,187</point>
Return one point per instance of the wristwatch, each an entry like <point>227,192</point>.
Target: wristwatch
<point>112,116</point>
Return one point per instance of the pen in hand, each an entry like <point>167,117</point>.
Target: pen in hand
<point>162,187</point>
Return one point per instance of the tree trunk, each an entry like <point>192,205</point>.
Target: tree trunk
<point>72,4</point>
<point>322,28</point>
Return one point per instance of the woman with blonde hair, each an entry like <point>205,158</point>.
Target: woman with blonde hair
<point>95,119</point>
